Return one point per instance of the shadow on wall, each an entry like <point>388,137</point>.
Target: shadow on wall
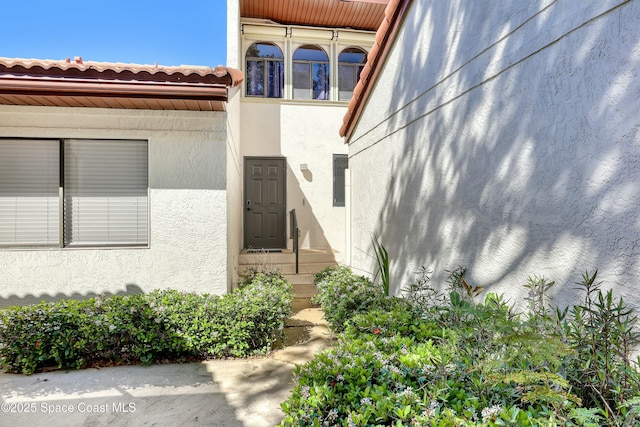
<point>516,159</point>
<point>311,233</point>
<point>131,289</point>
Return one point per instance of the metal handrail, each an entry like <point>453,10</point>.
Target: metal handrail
<point>294,233</point>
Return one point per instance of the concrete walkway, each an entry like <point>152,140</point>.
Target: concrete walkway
<point>230,393</point>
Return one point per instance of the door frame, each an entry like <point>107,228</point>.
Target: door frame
<point>244,200</point>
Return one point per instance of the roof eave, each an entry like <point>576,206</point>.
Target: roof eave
<point>61,87</point>
<point>385,36</point>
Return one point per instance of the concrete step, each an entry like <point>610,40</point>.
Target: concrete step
<point>304,290</point>
<point>299,279</point>
<point>308,267</point>
<point>305,275</point>
<point>258,260</point>
<point>300,304</point>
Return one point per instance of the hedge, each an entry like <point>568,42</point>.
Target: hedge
<point>132,329</point>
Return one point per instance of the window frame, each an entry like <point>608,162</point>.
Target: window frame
<point>32,202</point>
<point>266,61</point>
<point>62,216</point>
<point>356,67</point>
<point>312,80</point>
<point>339,179</point>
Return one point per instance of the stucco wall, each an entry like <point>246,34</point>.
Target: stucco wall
<point>504,136</point>
<point>234,186</point>
<point>305,134</point>
<point>233,34</point>
<point>234,153</point>
<point>187,207</point>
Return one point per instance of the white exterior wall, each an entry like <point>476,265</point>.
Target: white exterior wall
<point>504,136</point>
<point>233,34</point>
<point>304,134</point>
<point>187,207</point>
<point>234,155</point>
<point>234,187</point>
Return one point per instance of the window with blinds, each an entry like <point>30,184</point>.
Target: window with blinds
<point>29,196</point>
<point>105,192</point>
<point>104,186</point>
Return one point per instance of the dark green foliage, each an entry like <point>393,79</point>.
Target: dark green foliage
<point>603,332</point>
<point>342,295</point>
<point>455,362</point>
<point>164,324</point>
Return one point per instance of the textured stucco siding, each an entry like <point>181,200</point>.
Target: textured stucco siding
<point>234,153</point>
<point>187,208</point>
<point>504,136</point>
<point>304,134</point>
<point>234,187</point>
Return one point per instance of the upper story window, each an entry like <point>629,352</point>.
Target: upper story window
<point>310,73</point>
<point>350,64</point>
<point>265,70</point>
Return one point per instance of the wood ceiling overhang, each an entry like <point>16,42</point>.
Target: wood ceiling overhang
<point>360,15</point>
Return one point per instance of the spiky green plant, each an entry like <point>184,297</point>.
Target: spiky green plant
<point>382,258</point>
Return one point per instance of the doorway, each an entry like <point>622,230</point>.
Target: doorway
<point>265,203</point>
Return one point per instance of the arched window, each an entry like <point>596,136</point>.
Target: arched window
<point>265,70</point>
<point>350,64</point>
<point>310,73</point>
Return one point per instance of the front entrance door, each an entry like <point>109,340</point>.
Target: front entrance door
<point>265,202</point>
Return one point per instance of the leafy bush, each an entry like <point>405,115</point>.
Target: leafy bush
<point>343,294</point>
<point>455,362</point>
<point>604,334</point>
<point>164,324</point>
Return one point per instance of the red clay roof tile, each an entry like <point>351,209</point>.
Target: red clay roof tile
<point>114,85</point>
<point>229,76</point>
<point>387,30</point>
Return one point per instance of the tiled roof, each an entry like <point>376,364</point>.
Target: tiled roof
<point>114,85</point>
<point>361,15</point>
<point>385,35</point>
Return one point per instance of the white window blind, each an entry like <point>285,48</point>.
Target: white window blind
<point>106,189</point>
<point>29,201</point>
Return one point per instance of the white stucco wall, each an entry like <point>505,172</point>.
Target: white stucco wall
<point>234,153</point>
<point>504,136</point>
<point>305,134</point>
<point>234,186</point>
<point>233,34</point>
<point>187,207</point>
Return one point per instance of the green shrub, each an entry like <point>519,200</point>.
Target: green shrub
<point>603,332</point>
<point>164,324</point>
<point>343,294</point>
<point>392,368</point>
<point>455,362</point>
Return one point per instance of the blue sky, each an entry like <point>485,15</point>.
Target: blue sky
<point>132,31</point>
